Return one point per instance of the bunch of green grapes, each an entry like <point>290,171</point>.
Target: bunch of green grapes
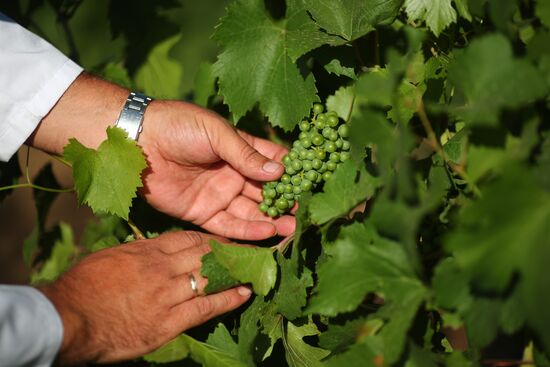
<point>321,146</point>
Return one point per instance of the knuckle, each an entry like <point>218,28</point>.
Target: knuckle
<point>205,307</point>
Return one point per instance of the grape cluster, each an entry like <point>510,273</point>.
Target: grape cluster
<point>321,146</point>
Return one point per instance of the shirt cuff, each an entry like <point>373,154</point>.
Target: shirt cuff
<point>31,330</point>
<point>23,119</point>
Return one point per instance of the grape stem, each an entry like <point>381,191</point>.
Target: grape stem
<point>283,245</point>
<point>37,187</point>
<point>434,143</point>
<point>138,234</point>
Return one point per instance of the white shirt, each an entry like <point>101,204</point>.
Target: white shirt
<point>33,76</point>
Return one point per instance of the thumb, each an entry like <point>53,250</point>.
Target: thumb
<point>236,151</point>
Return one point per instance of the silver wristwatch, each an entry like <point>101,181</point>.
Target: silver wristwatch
<point>131,116</point>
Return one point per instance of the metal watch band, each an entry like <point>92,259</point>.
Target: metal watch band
<point>131,116</point>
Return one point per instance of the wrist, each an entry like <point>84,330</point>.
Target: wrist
<point>84,112</point>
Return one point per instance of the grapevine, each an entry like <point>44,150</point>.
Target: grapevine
<point>321,146</point>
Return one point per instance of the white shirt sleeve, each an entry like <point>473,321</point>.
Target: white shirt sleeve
<point>31,330</point>
<point>33,76</point>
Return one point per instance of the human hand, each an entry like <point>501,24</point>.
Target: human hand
<point>204,171</point>
<point>123,302</point>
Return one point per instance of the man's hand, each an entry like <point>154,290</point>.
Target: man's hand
<point>126,301</point>
<point>204,171</point>
<point>201,170</point>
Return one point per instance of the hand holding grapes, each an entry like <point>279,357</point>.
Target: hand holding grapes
<point>204,171</point>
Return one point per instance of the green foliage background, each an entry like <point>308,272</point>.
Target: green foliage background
<point>441,219</point>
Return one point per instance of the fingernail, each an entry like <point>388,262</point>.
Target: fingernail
<point>244,291</point>
<point>271,166</point>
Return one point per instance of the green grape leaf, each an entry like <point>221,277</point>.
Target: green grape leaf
<point>346,188</point>
<point>9,175</point>
<point>61,258</point>
<point>339,337</point>
<point>456,146</point>
<point>420,357</point>
<point>202,353</point>
<point>361,262</point>
<point>116,72</point>
<point>205,84</point>
<point>250,73</point>
<point>336,68</point>
<point>542,11</point>
<point>221,339</point>
<point>451,287</point>
<point>219,278</point>
<point>104,231</point>
<point>503,234</point>
<point>249,328</point>
<point>351,19</point>
<point>291,295</point>
<point>438,14</point>
<point>490,78</point>
<point>543,163</point>
<point>359,355</point>
<point>160,75</point>
<point>342,102</point>
<point>463,9</point>
<point>254,265</point>
<point>107,178</point>
<point>175,350</point>
<point>298,352</point>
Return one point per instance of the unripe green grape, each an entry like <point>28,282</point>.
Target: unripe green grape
<point>339,143</point>
<point>304,125</point>
<point>323,168</point>
<point>296,165</point>
<point>303,135</point>
<point>330,147</point>
<point>345,145</point>
<point>327,131</point>
<point>320,124</point>
<point>333,136</point>
<point>296,190</point>
<point>281,203</point>
<point>319,178</point>
<point>306,143</point>
<point>297,145</point>
<point>316,163</point>
<point>343,131</point>
<point>288,195</point>
<point>288,188</point>
<point>321,154</point>
<point>310,155</point>
<point>286,159</point>
<point>332,113</point>
<point>331,165</point>
<point>306,165</point>
<point>291,171</point>
<point>306,185</point>
<point>291,203</point>
<point>321,118</point>
<point>292,155</point>
<point>272,212</point>
<point>268,201</point>
<point>280,187</point>
<point>332,120</point>
<point>263,207</point>
<point>302,154</point>
<point>285,178</point>
<point>344,156</point>
<point>312,175</point>
<point>296,180</point>
<point>318,108</point>
<point>271,193</point>
<point>335,157</point>
<point>327,175</point>
<point>317,139</point>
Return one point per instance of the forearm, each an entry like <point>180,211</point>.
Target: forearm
<point>84,112</point>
